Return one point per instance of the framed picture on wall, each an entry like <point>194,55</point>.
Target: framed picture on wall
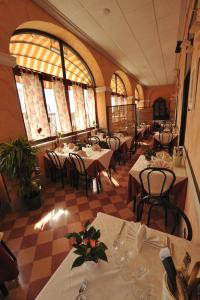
<point>194,86</point>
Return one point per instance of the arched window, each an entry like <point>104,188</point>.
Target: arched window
<point>55,85</point>
<point>118,96</point>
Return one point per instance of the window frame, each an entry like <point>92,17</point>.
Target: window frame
<point>47,77</point>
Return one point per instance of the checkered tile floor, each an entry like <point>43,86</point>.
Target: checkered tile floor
<point>36,237</point>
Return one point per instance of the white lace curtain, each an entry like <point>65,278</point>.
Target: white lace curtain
<point>79,116</point>
<point>90,107</point>
<point>63,112</point>
<point>36,121</point>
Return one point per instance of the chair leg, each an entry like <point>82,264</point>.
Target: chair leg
<point>134,203</point>
<point>62,178</point>
<point>149,215</point>
<point>3,289</point>
<point>140,210</point>
<point>165,216</point>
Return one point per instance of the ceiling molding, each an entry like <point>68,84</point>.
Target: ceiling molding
<point>62,19</point>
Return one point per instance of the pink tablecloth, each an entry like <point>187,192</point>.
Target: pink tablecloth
<point>179,191</point>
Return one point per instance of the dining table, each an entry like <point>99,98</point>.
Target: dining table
<point>179,188</point>
<point>125,143</point>
<point>156,138</point>
<point>131,273</point>
<point>95,161</point>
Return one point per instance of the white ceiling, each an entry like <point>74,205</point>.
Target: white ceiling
<point>140,34</point>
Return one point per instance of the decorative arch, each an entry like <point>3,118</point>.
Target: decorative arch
<point>71,40</point>
<point>139,94</point>
<point>126,82</point>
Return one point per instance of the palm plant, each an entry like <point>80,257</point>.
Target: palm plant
<point>17,163</point>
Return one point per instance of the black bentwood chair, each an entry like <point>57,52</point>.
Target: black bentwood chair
<point>56,168</point>
<point>156,185</point>
<point>93,140</point>
<point>79,171</point>
<point>113,143</point>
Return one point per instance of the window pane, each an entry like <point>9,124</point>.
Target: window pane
<point>52,111</point>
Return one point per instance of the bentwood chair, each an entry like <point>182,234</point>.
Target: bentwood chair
<point>80,172</point>
<point>165,141</point>
<point>56,168</point>
<point>113,143</point>
<point>92,140</point>
<point>156,185</point>
<point>180,215</point>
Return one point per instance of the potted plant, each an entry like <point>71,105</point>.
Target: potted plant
<point>18,163</point>
<point>87,245</point>
<point>149,153</point>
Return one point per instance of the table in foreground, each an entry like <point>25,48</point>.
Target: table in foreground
<point>108,282</point>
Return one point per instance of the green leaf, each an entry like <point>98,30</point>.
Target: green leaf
<point>91,232</point>
<point>78,262</point>
<point>101,254</point>
<point>102,246</point>
<point>79,251</point>
<point>97,235</point>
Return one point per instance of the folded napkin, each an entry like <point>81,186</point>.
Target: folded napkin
<point>160,163</point>
<point>71,145</point>
<point>59,150</point>
<point>96,147</point>
<point>162,155</point>
<point>146,236</point>
<point>82,153</point>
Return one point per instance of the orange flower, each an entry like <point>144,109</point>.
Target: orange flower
<point>92,243</point>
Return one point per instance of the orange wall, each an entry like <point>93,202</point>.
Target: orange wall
<point>165,91</point>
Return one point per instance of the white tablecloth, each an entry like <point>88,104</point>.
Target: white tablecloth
<point>107,281</point>
<point>103,157</point>
<point>142,163</point>
<point>165,136</point>
<point>125,139</point>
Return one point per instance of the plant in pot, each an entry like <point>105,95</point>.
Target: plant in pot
<point>18,163</point>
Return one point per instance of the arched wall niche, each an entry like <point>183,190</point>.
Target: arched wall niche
<point>71,40</point>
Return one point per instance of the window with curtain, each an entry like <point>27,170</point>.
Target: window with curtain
<point>33,107</point>
<point>46,107</point>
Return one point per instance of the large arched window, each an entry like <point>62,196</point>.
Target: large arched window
<point>55,85</point>
<point>118,95</point>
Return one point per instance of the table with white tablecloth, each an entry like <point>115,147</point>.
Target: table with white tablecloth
<point>109,280</point>
<point>125,143</point>
<point>179,188</point>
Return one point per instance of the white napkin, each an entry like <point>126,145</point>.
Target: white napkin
<point>96,147</point>
<point>146,236</point>
<point>163,155</point>
<point>82,153</point>
<point>160,163</point>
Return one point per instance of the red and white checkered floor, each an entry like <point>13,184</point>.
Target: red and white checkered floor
<point>37,237</point>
